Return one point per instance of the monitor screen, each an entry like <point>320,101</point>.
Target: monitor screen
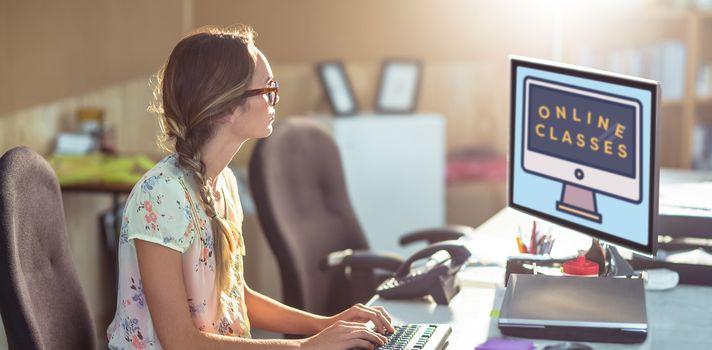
<point>582,150</point>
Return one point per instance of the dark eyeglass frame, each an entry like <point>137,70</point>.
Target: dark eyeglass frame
<point>274,88</point>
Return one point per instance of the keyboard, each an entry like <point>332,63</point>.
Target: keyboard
<point>417,337</point>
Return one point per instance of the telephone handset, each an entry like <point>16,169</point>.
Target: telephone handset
<point>435,277</point>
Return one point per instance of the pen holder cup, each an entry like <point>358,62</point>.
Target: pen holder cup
<point>531,264</point>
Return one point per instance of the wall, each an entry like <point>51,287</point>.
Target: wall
<point>58,56</point>
<point>4,56</point>
<point>56,49</point>
<point>463,44</point>
<point>449,30</point>
<point>80,40</point>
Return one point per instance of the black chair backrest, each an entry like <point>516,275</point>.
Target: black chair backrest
<point>41,301</point>
<point>297,182</point>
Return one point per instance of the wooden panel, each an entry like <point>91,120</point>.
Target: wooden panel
<point>68,49</point>
<point>36,128</point>
<point>704,111</point>
<point>299,91</point>
<point>89,256</point>
<point>8,137</point>
<point>472,203</point>
<point>5,89</point>
<point>670,136</point>
<point>473,97</point>
<point>59,49</point>
<point>614,33</point>
<point>137,129</point>
<point>261,269</point>
<point>706,33</point>
<point>312,30</point>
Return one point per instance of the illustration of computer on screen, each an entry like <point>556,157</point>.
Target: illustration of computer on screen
<point>583,150</point>
<point>587,139</point>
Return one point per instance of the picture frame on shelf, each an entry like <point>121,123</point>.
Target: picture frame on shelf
<point>399,86</point>
<point>337,87</point>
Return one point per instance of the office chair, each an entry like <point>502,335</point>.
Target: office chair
<point>41,301</point>
<point>298,186</point>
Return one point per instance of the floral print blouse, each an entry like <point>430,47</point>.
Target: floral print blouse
<point>165,208</point>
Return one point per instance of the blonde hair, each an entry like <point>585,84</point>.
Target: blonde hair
<point>203,80</point>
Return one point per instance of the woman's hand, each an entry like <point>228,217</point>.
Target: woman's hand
<point>344,335</point>
<point>361,313</point>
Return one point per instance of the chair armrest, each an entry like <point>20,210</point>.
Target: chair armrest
<point>434,235</point>
<point>361,260</point>
<point>365,260</point>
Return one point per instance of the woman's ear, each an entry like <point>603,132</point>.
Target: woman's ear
<point>226,119</point>
<point>231,117</point>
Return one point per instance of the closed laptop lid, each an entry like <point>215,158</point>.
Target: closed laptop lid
<point>604,302</point>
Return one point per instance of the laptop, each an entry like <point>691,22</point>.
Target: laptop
<point>597,309</point>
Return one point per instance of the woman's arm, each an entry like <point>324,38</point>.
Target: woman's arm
<point>273,316</point>
<point>164,288</point>
<point>162,277</point>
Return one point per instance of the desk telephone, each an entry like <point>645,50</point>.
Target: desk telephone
<point>435,277</point>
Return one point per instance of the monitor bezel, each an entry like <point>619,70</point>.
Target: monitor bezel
<point>651,86</point>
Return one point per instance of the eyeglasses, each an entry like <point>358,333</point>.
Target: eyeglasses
<point>272,93</point>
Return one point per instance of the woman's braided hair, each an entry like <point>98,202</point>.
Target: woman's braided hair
<point>202,81</point>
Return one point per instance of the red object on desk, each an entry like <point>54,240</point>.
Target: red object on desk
<point>475,167</point>
<point>581,267</point>
<point>532,244</point>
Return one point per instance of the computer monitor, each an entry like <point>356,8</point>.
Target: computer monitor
<point>583,150</point>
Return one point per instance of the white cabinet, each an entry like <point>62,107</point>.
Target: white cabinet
<point>395,173</point>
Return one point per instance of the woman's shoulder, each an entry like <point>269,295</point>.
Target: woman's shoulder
<point>159,209</point>
<point>166,175</point>
<point>229,175</point>
<point>230,180</point>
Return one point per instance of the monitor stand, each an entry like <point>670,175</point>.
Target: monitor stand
<point>578,201</point>
<point>609,260</point>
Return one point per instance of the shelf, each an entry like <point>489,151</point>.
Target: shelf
<point>651,26</point>
<point>668,15</point>
<point>699,101</point>
<point>653,14</point>
<point>672,103</point>
<point>645,32</point>
<point>704,101</point>
<point>703,112</point>
<point>704,119</point>
<point>705,14</point>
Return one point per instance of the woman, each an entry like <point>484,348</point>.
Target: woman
<point>181,280</point>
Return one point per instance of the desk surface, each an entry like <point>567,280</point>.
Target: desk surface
<point>99,187</point>
<point>680,318</point>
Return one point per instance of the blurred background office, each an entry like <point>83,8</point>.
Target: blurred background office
<point>67,64</point>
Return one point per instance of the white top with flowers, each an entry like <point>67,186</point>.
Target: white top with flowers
<point>164,208</point>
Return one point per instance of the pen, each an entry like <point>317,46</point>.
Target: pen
<point>545,244</point>
<point>519,228</point>
<point>520,246</point>
<point>521,239</point>
<point>540,242</point>
<point>532,243</point>
<point>551,244</point>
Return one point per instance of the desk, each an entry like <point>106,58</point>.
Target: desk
<point>109,228</point>
<point>110,236</point>
<point>680,318</point>
<point>116,191</point>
